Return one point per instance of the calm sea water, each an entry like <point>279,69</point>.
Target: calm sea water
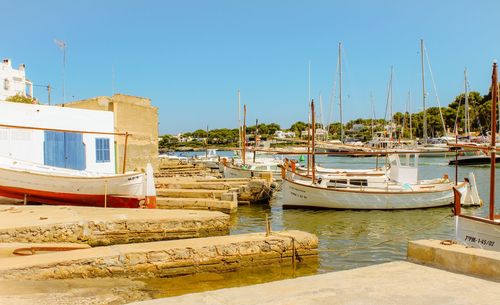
<point>348,239</point>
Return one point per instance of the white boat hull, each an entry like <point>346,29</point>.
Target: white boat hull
<point>234,172</point>
<point>50,185</point>
<point>299,195</point>
<point>478,233</point>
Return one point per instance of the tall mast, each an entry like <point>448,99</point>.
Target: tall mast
<point>373,112</point>
<point>467,123</point>
<point>321,118</point>
<point>409,113</point>
<point>239,120</point>
<point>308,117</point>
<point>206,145</point>
<point>494,101</point>
<point>423,89</point>
<point>313,161</point>
<point>309,82</point>
<point>308,142</point>
<point>340,94</point>
<point>255,142</point>
<point>390,104</point>
<point>244,134</point>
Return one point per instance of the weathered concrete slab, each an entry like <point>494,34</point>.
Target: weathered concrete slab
<point>226,206</point>
<point>100,226</point>
<point>390,283</point>
<point>108,291</point>
<point>166,258</point>
<point>456,257</point>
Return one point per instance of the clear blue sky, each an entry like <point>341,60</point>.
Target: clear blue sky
<point>190,57</point>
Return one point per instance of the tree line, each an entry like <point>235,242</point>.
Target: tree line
<point>479,120</point>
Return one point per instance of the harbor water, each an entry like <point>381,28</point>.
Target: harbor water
<point>348,239</point>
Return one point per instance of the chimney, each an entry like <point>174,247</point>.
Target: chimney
<point>6,62</point>
<point>22,67</point>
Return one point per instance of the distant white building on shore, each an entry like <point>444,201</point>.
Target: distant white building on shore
<point>280,134</point>
<point>13,81</point>
<point>319,132</point>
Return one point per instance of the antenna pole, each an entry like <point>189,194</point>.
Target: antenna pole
<point>423,90</point>
<point>49,88</point>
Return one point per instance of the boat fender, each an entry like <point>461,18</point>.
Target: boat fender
<point>294,166</point>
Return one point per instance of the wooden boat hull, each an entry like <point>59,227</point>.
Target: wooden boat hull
<point>300,195</point>
<point>124,191</point>
<point>234,172</point>
<point>473,160</point>
<point>478,232</point>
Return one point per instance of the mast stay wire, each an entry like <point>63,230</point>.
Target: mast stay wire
<point>348,70</point>
<point>435,89</point>
<point>333,96</point>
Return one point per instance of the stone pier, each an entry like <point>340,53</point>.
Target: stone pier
<point>455,257</point>
<point>106,226</point>
<point>167,258</point>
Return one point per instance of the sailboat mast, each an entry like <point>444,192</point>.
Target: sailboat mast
<point>308,143</point>
<point>255,144</point>
<point>373,112</point>
<point>206,146</point>
<point>494,102</point>
<point>340,94</point>
<point>391,117</point>
<point>244,134</point>
<point>409,114</point>
<point>423,90</point>
<point>239,120</point>
<point>467,123</point>
<point>313,161</point>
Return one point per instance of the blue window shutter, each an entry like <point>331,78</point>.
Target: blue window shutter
<point>54,149</point>
<point>74,150</point>
<point>102,150</point>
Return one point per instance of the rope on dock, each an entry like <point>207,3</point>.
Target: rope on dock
<point>33,250</point>
<point>387,240</point>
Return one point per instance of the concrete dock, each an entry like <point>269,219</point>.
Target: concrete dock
<point>389,283</point>
<point>105,226</point>
<point>210,193</point>
<point>455,257</point>
<point>167,258</point>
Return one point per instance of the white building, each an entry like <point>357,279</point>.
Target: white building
<point>280,134</point>
<point>13,81</point>
<point>319,132</point>
<point>67,148</point>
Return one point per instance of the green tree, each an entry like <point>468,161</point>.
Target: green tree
<point>21,99</point>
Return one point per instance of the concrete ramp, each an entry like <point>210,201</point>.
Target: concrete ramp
<point>390,283</point>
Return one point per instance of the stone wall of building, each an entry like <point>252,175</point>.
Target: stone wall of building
<point>136,116</point>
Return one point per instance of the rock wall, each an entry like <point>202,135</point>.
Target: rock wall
<point>168,258</point>
<point>107,226</point>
